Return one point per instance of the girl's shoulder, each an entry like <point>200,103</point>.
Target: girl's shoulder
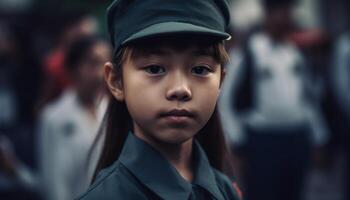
<point>229,188</point>
<point>114,182</point>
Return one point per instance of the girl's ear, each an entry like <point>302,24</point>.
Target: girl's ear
<point>114,82</point>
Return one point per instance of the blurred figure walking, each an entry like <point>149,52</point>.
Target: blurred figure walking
<point>69,125</point>
<point>268,110</point>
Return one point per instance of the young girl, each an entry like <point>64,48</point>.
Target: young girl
<point>163,138</point>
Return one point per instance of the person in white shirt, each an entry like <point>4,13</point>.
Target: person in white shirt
<point>267,113</point>
<point>69,126</point>
<point>67,133</point>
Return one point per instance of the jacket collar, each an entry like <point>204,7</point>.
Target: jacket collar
<point>156,173</point>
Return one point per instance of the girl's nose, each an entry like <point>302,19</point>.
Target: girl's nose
<point>179,91</point>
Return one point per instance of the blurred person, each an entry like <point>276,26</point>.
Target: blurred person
<point>325,179</point>
<point>340,73</point>
<point>68,127</point>
<point>75,25</point>
<point>268,111</point>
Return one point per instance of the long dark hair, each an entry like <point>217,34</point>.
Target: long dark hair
<point>117,121</point>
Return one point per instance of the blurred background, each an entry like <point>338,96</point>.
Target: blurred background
<point>286,116</point>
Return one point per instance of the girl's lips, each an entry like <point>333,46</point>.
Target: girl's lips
<point>177,119</point>
<point>178,113</point>
<point>178,116</point>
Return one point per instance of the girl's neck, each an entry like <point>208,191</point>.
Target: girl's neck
<point>179,155</point>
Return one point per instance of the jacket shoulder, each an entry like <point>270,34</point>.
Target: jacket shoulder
<point>229,188</point>
<point>113,183</point>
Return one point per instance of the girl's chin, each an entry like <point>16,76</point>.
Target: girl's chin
<point>175,137</point>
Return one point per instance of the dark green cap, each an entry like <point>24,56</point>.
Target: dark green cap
<point>129,20</point>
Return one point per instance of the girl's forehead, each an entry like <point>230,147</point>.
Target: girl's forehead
<point>195,46</point>
<point>176,41</point>
<point>166,51</point>
<point>164,47</point>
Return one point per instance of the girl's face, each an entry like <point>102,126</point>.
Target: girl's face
<point>170,94</point>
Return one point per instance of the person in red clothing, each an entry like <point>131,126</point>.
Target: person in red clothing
<point>56,78</point>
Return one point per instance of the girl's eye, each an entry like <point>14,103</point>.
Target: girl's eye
<point>155,69</point>
<point>201,70</point>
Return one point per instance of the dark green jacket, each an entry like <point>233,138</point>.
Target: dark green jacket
<point>143,173</point>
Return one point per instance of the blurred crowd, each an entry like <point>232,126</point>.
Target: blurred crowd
<point>285,102</point>
<point>51,97</point>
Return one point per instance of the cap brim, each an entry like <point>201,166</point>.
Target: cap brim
<point>166,28</point>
